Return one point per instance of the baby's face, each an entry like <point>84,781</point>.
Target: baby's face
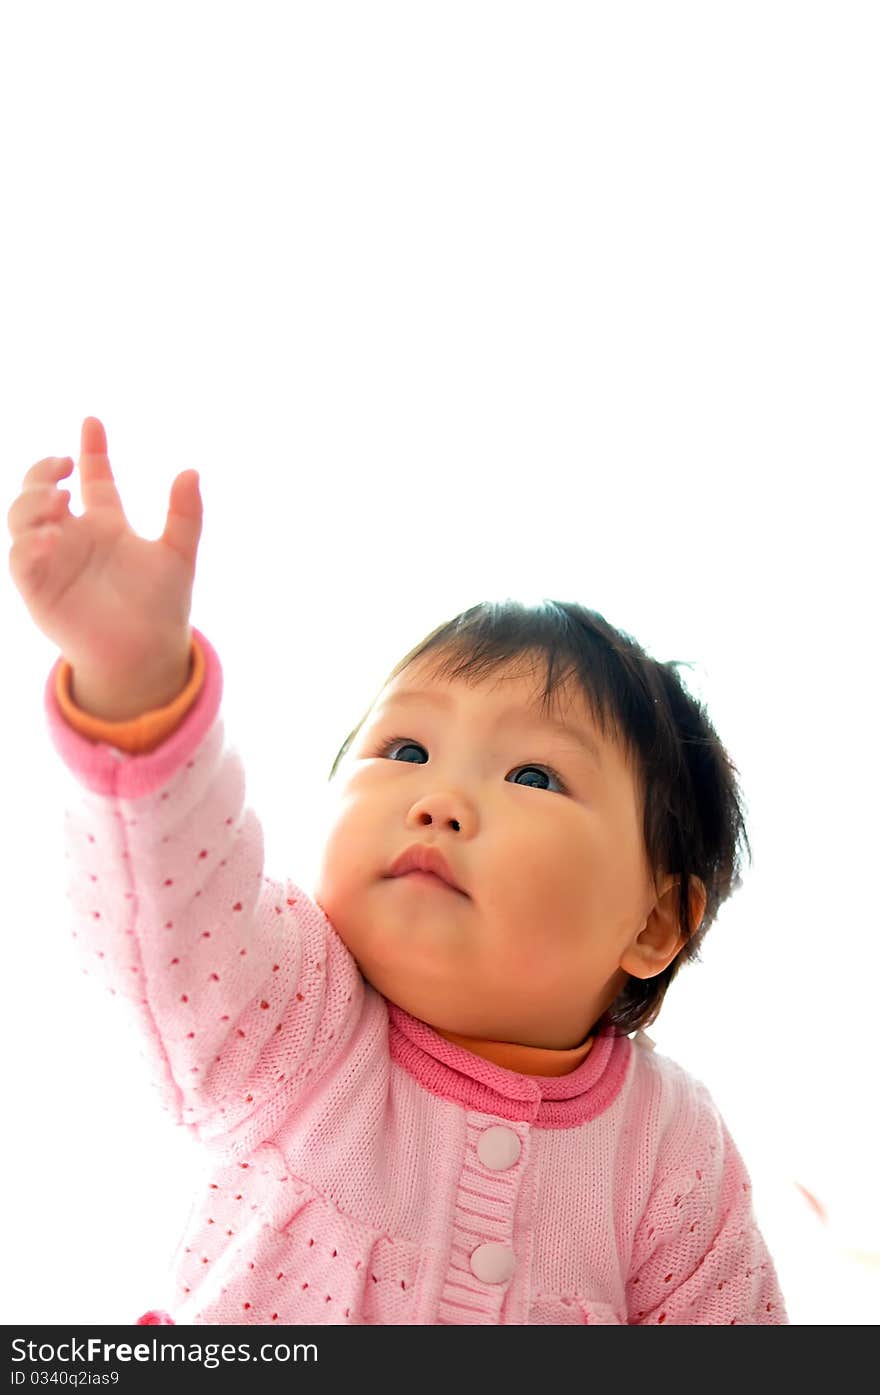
<point>557,882</point>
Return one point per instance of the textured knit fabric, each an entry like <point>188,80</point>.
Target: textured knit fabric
<point>362,1168</point>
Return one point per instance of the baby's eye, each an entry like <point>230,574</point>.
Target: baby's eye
<point>386,747</point>
<point>407,745</point>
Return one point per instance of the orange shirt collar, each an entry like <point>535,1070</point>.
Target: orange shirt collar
<point>527,1060</point>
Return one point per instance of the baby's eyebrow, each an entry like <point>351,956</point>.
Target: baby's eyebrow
<point>510,716</point>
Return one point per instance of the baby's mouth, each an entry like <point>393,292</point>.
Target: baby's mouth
<point>428,879</point>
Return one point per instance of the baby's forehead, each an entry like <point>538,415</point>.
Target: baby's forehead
<point>514,685</point>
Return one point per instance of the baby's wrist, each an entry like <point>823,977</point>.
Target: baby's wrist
<point>120,698</point>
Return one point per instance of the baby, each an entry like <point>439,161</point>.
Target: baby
<point>417,1089</point>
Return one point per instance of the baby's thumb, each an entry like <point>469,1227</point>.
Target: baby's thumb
<point>183,526</point>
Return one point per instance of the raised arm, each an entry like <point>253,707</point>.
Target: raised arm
<point>239,987</point>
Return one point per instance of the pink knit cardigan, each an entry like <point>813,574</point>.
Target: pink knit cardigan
<point>360,1168</point>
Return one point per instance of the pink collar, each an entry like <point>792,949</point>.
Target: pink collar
<point>547,1101</point>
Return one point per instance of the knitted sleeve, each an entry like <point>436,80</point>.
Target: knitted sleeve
<point>698,1255</point>
<point>239,987</point>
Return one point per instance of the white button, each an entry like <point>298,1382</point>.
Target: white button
<point>498,1148</point>
<point>494,1264</point>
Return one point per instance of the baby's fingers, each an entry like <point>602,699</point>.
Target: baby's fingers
<point>48,471</point>
<point>34,543</point>
<point>37,504</point>
<point>183,525</point>
<point>96,477</point>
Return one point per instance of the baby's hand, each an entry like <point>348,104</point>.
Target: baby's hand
<point>116,604</point>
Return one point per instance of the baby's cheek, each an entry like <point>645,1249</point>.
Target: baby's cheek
<point>347,905</point>
<point>330,891</point>
<point>340,849</point>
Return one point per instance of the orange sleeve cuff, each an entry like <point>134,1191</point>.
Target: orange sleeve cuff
<point>137,735</point>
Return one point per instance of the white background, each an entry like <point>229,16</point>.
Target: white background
<point>448,302</point>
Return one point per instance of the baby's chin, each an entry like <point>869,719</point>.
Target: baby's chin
<point>421,972</point>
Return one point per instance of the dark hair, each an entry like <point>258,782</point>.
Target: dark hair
<point>693,818</point>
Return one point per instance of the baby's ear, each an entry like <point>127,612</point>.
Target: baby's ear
<point>661,937</point>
